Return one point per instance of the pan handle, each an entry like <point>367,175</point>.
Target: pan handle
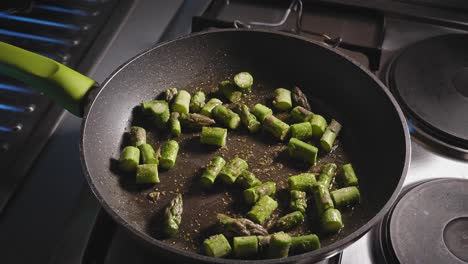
<point>64,85</point>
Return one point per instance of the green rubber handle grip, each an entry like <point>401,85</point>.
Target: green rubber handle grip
<point>64,85</point>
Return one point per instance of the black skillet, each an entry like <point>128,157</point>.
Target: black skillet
<point>375,137</point>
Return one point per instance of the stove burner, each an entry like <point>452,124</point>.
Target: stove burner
<point>428,224</point>
<point>430,79</point>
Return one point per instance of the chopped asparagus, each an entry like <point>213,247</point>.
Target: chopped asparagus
<point>232,170</point>
<point>282,100</point>
<point>319,124</point>
<point>302,182</point>
<point>147,173</point>
<point>226,116</point>
<point>279,245</point>
<point>299,98</point>
<point>197,102</point>
<point>181,102</point>
<point>246,246</point>
<point>301,244</point>
<point>158,111</point>
<point>244,81</point>
<point>331,221</point>
<point>298,201</point>
<point>217,246</point>
<point>137,136</point>
<point>253,194</point>
<point>240,226</point>
<point>322,198</point>
<point>302,131</point>
<point>290,220</point>
<point>276,127</point>
<point>176,129</point>
<point>169,153</point>
<point>213,136</point>
<point>300,114</point>
<point>349,176</point>
<point>173,216</point>
<point>195,121</point>
<point>345,196</point>
<point>148,155</point>
<point>248,119</point>
<point>300,150</point>
<point>169,94</point>
<point>328,172</point>
<point>328,138</point>
<point>261,111</point>
<point>230,91</point>
<point>262,210</point>
<point>247,180</point>
<point>129,158</point>
<point>208,108</point>
<point>211,171</point>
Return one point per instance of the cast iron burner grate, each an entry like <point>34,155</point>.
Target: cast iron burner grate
<point>428,224</point>
<point>430,80</point>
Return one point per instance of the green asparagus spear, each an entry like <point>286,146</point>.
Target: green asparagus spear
<point>208,108</point>
<point>247,180</point>
<point>262,210</point>
<point>253,194</point>
<point>298,201</point>
<point>322,198</point>
<point>213,136</point>
<point>302,182</point>
<point>195,121</point>
<point>173,216</point>
<point>211,171</point>
<point>232,170</point>
<point>176,129</point>
<point>217,246</point>
<point>328,172</point>
<point>261,111</point>
<point>226,116</point>
<point>239,226</point>
<point>282,99</point>
<point>299,98</point>
<point>349,176</point>
<point>244,81</point>
<point>279,245</point>
<point>345,196</point>
<point>248,119</point>
<point>263,243</point>
<point>302,131</point>
<point>197,102</point>
<point>169,153</point>
<point>158,112</point>
<point>147,173</point>
<point>328,138</point>
<point>148,156</point>
<point>137,136</point>
<point>290,220</point>
<point>300,114</point>
<point>276,127</point>
<point>300,150</point>
<point>319,124</point>
<point>181,102</point>
<point>169,94</point>
<point>331,221</point>
<point>230,91</point>
<point>301,244</point>
<point>129,158</point>
<point>246,246</point>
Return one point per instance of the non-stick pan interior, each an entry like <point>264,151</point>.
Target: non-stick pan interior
<point>373,138</point>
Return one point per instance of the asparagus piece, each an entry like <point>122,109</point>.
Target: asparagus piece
<point>211,171</point>
<point>276,127</point>
<point>214,136</point>
<point>245,246</point>
<point>300,114</point>
<point>176,129</point>
<point>158,111</point>
<point>230,91</point>
<point>331,221</point>
<point>148,156</point>
<point>298,201</point>
<point>247,180</point>
<point>169,94</point>
<point>322,198</point>
<point>349,176</point>
<point>173,216</point>
<point>263,243</point>
<point>299,98</point>
<point>262,210</point>
<point>244,81</point>
<point>282,100</point>
<point>197,102</point>
<point>169,153</point>
<point>137,136</point>
<point>261,111</point>
<point>302,182</point>
<point>147,173</point>
<point>212,103</point>
<point>328,172</point>
<point>240,226</point>
<point>226,116</point>
<point>279,245</point>
<point>248,119</point>
<point>129,158</point>
<point>345,196</point>
<point>253,194</point>
<point>300,150</point>
<point>302,131</point>
<point>301,244</point>
<point>319,124</point>
<point>195,121</point>
<point>330,134</point>
<point>217,246</point>
<point>232,170</point>
<point>181,102</point>
<point>290,220</point>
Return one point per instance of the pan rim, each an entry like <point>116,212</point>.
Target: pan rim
<point>316,255</point>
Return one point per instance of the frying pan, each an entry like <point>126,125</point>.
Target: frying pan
<point>375,137</point>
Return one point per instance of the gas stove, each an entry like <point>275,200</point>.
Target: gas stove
<point>68,224</point>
